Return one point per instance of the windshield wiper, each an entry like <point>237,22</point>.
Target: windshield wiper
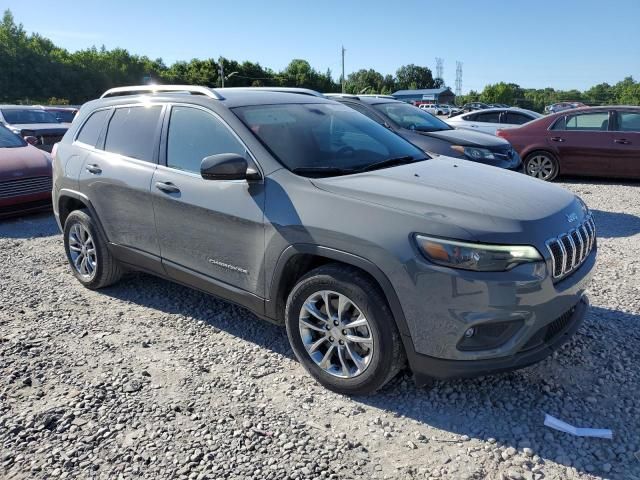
<point>390,162</point>
<point>322,171</point>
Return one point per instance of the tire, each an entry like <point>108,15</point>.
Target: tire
<point>363,358</point>
<point>542,165</point>
<point>100,269</point>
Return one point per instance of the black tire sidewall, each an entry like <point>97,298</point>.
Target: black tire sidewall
<point>550,156</point>
<point>80,216</point>
<point>381,327</point>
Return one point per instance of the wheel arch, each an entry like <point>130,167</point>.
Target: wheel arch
<point>542,149</point>
<point>70,200</point>
<point>296,260</point>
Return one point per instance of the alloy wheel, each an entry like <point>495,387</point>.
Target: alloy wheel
<point>82,251</point>
<point>540,166</point>
<point>336,334</point>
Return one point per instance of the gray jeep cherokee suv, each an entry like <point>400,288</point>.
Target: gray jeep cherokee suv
<point>312,215</point>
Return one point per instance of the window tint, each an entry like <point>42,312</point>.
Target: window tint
<point>514,118</point>
<point>91,129</point>
<point>488,117</point>
<point>629,122</point>
<point>195,134</point>
<point>588,121</point>
<point>132,132</point>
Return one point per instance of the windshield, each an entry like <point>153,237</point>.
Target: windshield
<point>65,116</point>
<point>8,139</point>
<point>410,117</point>
<point>325,139</point>
<point>27,115</point>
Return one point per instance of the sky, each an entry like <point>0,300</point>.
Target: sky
<point>534,43</point>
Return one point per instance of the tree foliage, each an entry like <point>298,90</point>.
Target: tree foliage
<point>33,69</point>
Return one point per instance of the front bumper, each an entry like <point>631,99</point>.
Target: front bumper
<point>553,336</point>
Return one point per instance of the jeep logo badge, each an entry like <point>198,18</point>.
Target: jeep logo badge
<point>572,217</point>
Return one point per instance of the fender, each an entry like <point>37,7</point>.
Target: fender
<point>65,192</point>
<point>339,256</point>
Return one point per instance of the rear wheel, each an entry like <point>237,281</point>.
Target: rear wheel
<point>342,331</point>
<point>542,165</point>
<point>90,260</point>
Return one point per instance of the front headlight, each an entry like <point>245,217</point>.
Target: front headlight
<point>476,256</point>
<point>474,153</point>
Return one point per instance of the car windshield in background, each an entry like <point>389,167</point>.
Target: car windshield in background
<point>8,139</point>
<point>17,116</point>
<point>65,116</point>
<point>410,117</point>
<point>326,139</point>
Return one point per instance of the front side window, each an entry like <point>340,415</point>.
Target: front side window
<point>8,139</point>
<point>410,117</point>
<point>90,131</point>
<point>195,134</point>
<point>629,121</point>
<point>132,132</point>
<point>488,117</point>
<point>324,137</point>
<point>27,115</point>
<point>588,121</point>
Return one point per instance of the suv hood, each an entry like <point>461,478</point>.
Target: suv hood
<point>492,205</point>
<point>467,138</point>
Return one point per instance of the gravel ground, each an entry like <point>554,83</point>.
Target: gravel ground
<point>150,379</point>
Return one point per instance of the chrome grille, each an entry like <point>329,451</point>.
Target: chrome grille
<point>25,186</point>
<point>570,250</point>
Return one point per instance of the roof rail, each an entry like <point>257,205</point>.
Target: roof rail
<point>302,91</point>
<point>345,95</point>
<point>141,89</point>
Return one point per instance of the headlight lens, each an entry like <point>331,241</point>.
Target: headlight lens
<point>476,256</point>
<point>474,153</point>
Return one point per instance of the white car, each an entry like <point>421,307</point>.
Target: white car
<point>490,120</point>
<point>435,109</point>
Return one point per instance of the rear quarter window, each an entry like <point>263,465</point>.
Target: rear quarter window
<point>92,128</point>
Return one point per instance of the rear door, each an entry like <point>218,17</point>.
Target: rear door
<point>626,143</point>
<point>583,142</point>
<point>117,173</point>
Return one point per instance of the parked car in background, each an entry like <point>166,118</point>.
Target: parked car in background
<point>491,119</point>
<point>434,108</point>
<point>596,141</point>
<point>64,115</point>
<point>561,106</point>
<point>33,122</point>
<point>431,134</point>
<point>312,215</point>
<point>470,107</point>
<point>25,175</point>
<point>498,105</point>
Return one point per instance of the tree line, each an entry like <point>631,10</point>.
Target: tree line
<point>34,70</point>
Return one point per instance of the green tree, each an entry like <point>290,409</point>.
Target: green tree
<point>414,77</point>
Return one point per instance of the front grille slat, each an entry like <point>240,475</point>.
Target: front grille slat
<point>570,250</point>
<point>25,186</point>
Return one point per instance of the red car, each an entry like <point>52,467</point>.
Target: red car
<point>25,176</point>
<point>595,141</point>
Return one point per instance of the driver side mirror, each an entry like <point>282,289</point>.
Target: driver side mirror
<point>227,166</point>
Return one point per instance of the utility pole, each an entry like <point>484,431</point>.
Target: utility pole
<point>458,79</point>
<point>439,68</point>
<point>221,70</point>
<point>343,79</point>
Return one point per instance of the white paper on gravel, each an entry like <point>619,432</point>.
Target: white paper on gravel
<point>557,424</point>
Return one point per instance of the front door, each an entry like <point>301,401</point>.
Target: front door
<point>583,142</point>
<point>211,232</point>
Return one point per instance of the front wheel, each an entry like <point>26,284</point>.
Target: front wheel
<point>342,331</point>
<point>541,165</point>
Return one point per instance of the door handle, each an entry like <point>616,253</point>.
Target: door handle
<point>93,168</point>
<point>557,139</point>
<point>167,187</point>
<point>622,141</point>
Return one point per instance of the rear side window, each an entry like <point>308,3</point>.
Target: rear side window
<point>132,132</point>
<point>195,134</point>
<point>514,118</point>
<point>90,131</point>
<point>629,121</point>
